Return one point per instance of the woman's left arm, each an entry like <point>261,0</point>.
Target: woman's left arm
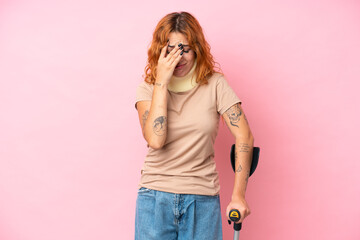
<point>244,141</point>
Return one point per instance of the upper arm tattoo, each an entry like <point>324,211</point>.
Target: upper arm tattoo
<point>144,117</point>
<point>246,119</point>
<point>234,114</point>
<point>160,125</point>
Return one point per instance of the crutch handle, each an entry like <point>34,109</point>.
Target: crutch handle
<point>235,216</point>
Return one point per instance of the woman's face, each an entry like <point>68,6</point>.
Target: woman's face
<point>188,58</point>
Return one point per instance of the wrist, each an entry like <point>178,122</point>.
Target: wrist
<point>237,196</point>
<point>160,84</point>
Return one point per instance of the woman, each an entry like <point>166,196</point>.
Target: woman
<point>179,106</point>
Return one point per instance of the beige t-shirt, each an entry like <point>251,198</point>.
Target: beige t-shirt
<point>185,164</point>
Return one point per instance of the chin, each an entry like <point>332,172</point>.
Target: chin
<point>179,75</point>
<point>182,73</point>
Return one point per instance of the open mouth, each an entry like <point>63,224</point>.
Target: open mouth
<point>179,66</point>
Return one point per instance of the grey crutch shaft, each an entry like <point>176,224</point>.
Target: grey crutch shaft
<point>236,235</point>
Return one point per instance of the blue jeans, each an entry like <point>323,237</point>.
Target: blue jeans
<point>162,215</point>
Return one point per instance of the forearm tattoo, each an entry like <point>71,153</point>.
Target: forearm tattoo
<point>160,125</point>
<point>234,114</point>
<point>239,168</point>
<point>244,147</point>
<point>236,160</point>
<point>241,147</point>
<point>246,179</point>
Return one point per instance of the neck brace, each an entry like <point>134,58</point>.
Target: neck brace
<point>185,83</point>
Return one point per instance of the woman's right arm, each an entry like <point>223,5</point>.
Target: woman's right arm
<point>153,114</point>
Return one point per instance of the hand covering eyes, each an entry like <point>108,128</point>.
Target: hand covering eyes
<point>186,48</point>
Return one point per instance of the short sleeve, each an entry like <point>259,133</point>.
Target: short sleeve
<point>144,92</point>
<point>225,95</point>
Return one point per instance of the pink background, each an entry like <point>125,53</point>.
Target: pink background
<point>71,147</point>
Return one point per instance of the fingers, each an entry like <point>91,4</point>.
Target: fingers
<point>244,212</point>
<point>227,213</point>
<point>163,51</point>
<point>175,59</point>
<point>173,53</point>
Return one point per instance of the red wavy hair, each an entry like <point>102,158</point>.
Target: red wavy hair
<point>185,23</point>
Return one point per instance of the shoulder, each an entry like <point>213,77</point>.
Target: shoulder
<point>217,79</point>
<point>144,86</point>
<point>144,91</point>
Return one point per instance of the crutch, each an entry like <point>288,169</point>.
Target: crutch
<point>234,214</point>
